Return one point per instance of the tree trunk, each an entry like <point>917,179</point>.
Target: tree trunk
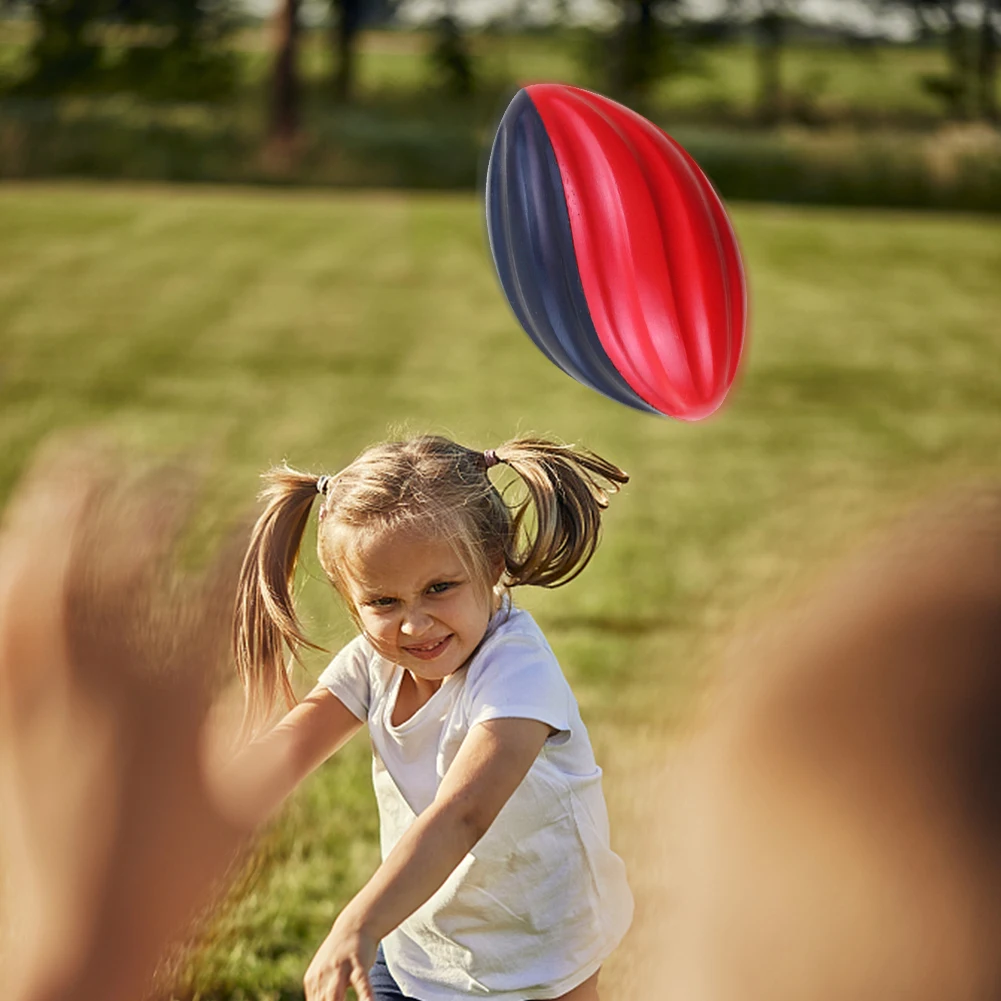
<point>645,50</point>
<point>347,24</point>
<point>620,52</point>
<point>925,31</point>
<point>956,48</point>
<point>284,123</point>
<point>635,57</point>
<point>987,63</point>
<point>771,35</point>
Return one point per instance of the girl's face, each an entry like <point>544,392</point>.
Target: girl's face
<point>417,604</point>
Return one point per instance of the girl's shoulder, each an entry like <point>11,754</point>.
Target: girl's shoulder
<point>358,675</point>
<point>356,655</point>
<point>513,631</point>
<point>515,666</point>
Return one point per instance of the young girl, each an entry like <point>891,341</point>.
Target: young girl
<point>497,876</point>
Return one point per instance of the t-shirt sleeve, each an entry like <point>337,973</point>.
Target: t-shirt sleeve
<point>519,679</point>
<point>347,676</point>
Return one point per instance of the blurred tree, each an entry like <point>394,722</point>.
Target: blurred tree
<point>64,54</point>
<point>770,21</point>
<point>987,60</point>
<point>346,19</point>
<point>954,87</point>
<point>970,46</point>
<point>181,58</point>
<point>285,91</point>
<point>187,59</point>
<point>451,58</point>
<point>646,45</point>
<point>920,10</point>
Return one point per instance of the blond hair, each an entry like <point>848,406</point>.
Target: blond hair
<point>431,484</point>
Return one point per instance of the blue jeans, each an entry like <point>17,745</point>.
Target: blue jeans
<point>384,987</point>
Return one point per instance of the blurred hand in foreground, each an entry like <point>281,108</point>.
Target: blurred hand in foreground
<point>838,814</point>
<point>109,659</point>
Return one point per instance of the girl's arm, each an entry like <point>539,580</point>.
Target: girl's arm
<point>254,783</point>
<point>490,765</point>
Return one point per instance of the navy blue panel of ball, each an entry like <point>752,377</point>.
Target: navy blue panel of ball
<point>528,227</point>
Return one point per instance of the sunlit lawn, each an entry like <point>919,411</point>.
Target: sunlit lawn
<point>251,327</point>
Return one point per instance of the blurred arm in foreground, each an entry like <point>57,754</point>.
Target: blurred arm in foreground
<point>110,657</point>
<point>839,818</point>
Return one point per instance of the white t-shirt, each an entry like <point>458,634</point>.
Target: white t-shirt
<point>541,900</point>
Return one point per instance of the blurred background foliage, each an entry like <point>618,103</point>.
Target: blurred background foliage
<point>879,102</point>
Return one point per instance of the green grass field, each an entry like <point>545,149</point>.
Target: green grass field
<point>249,327</point>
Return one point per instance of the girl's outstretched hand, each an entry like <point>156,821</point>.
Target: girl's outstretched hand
<point>346,956</point>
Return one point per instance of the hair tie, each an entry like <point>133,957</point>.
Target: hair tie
<point>490,458</point>
<point>321,484</point>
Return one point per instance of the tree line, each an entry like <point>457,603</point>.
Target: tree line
<point>177,49</point>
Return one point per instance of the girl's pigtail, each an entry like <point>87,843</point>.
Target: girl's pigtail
<point>568,488</point>
<point>265,622</point>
